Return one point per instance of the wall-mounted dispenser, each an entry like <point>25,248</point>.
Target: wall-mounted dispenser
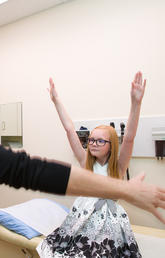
<point>158,135</point>
<point>83,134</point>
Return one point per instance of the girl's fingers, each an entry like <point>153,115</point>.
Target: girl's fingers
<point>51,82</point>
<point>136,78</point>
<point>144,84</point>
<point>140,79</point>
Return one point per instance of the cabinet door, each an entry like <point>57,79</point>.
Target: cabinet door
<point>11,119</point>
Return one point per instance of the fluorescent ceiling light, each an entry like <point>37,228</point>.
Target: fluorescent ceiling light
<point>3,1</point>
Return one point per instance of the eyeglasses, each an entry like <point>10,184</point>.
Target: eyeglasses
<point>99,142</point>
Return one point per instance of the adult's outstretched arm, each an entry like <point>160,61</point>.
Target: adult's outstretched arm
<point>135,191</point>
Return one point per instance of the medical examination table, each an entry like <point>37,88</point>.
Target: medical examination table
<point>151,242</point>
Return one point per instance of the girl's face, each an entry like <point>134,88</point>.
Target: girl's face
<point>100,152</point>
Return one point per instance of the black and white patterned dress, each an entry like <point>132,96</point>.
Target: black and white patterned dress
<point>93,228</point>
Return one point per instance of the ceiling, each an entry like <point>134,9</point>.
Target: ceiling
<point>14,10</point>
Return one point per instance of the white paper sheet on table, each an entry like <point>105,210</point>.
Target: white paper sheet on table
<point>42,215</point>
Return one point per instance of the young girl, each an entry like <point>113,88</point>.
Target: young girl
<point>97,227</point>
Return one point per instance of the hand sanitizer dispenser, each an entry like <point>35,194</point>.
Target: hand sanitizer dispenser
<point>158,135</point>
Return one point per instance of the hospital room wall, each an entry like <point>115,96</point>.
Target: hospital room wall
<point>92,49</point>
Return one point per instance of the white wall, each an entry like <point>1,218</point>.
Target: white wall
<point>92,48</point>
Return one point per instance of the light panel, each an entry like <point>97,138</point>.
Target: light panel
<point>3,1</point>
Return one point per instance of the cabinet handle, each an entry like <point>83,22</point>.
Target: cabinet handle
<point>3,125</point>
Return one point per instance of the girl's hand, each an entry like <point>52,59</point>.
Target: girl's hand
<point>138,88</point>
<point>52,91</point>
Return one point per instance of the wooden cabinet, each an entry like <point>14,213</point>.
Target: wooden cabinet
<point>11,125</point>
<point>11,119</point>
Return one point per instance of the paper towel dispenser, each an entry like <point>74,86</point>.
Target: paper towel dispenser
<point>158,135</point>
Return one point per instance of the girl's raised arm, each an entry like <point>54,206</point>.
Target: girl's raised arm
<point>68,125</point>
<point>137,93</point>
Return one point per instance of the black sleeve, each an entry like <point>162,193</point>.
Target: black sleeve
<point>19,170</point>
